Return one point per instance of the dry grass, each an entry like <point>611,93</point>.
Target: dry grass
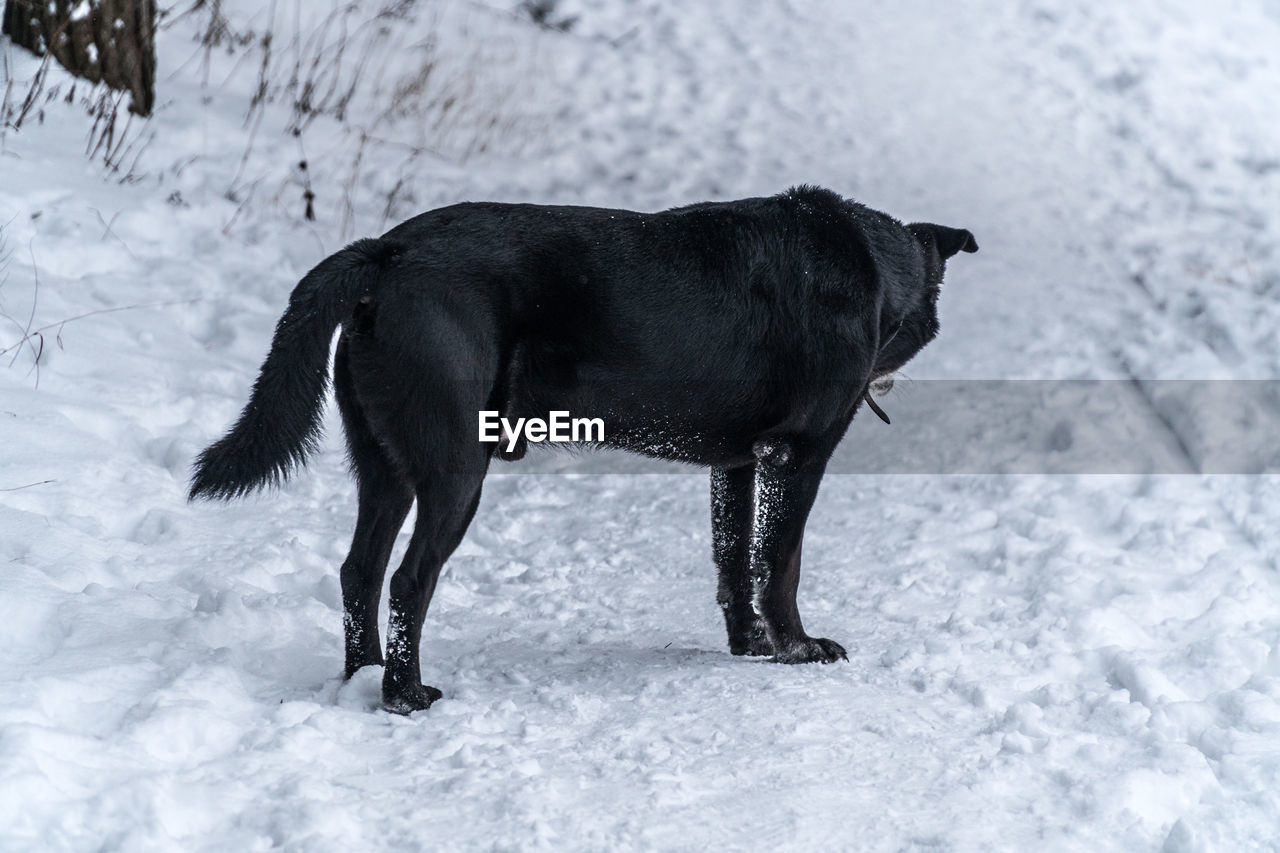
<point>115,140</point>
<point>364,88</point>
<point>374,92</point>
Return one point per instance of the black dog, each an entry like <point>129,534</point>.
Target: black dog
<point>740,336</point>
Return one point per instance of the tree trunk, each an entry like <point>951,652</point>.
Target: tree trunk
<point>103,41</point>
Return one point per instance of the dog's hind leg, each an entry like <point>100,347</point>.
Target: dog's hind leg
<point>385,497</point>
<point>731,508</point>
<point>446,505</point>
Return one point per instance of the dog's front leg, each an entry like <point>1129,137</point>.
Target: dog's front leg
<point>731,507</point>
<point>786,483</point>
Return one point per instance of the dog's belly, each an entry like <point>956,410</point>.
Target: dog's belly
<point>702,423</point>
<point>703,444</point>
<point>699,440</point>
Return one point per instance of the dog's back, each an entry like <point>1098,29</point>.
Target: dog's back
<point>687,329</point>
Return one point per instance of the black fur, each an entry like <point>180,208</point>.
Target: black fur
<point>281,424</point>
<point>741,336</point>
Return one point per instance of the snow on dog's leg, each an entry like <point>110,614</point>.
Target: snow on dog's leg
<point>382,512</point>
<point>411,588</point>
<point>446,506</point>
<point>786,483</point>
<point>385,498</point>
<point>731,508</point>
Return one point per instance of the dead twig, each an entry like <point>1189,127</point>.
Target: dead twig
<point>35,297</point>
<point>28,486</point>
<point>61,323</point>
<point>108,232</point>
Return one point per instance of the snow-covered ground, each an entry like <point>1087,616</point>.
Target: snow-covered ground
<point>1036,661</point>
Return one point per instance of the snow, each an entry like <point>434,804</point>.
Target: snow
<point>1036,660</point>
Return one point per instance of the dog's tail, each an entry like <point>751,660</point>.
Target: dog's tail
<point>280,426</point>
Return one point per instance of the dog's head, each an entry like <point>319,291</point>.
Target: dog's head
<point>911,319</point>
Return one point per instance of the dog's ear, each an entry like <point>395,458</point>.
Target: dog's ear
<point>948,240</point>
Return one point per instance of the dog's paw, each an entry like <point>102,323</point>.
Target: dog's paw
<point>409,699</point>
<point>811,650</point>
